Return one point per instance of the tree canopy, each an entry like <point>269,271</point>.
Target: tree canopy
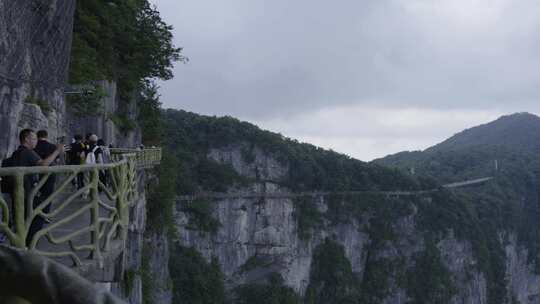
<point>121,40</point>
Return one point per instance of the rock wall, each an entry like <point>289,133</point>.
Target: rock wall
<point>35,43</point>
<point>156,256</point>
<point>130,287</point>
<point>268,228</point>
<point>102,125</point>
<point>146,259</point>
<point>522,281</point>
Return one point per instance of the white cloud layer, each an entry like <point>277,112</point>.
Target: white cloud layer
<point>366,132</point>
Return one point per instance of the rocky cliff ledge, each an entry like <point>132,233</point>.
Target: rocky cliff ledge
<point>384,240</point>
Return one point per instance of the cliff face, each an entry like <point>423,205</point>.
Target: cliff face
<point>35,41</point>
<point>522,280</point>
<point>156,259</point>
<point>35,44</point>
<point>261,235</point>
<point>102,123</point>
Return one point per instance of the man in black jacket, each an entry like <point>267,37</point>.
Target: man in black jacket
<point>44,149</point>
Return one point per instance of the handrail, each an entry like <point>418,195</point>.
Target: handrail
<point>88,219</point>
<point>145,158</point>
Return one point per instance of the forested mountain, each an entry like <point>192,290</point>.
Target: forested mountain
<point>267,244</point>
<point>508,144</point>
<point>517,132</point>
<point>459,246</point>
<point>192,136</point>
<point>507,149</point>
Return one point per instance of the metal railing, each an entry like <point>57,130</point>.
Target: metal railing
<point>87,218</point>
<point>144,158</point>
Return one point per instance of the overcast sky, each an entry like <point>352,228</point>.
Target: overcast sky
<point>366,78</point>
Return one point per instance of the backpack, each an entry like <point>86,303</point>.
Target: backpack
<point>7,183</point>
<point>106,154</point>
<point>71,156</point>
<point>91,156</point>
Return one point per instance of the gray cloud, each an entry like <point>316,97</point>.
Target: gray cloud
<point>272,58</point>
<point>367,132</point>
<point>366,78</point>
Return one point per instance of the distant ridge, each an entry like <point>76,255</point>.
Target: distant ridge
<point>519,131</point>
<point>509,141</point>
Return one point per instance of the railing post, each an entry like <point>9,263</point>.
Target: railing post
<point>19,212</point>
<point>121,203</point>
<point>98,231</point>
<point>94,214</point>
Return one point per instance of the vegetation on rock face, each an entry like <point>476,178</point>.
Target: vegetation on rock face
<point>148,283</point>
<point>125,41</point>
<point>473,221</point>
<point>429,281</point>
<point>162,196</point>
<point>129,280</point>
<point>196,281</point>
<point>200,216</point>
<point>331,276</point>
<point>272,292</point>
<point>254,262</point>
<point>307,216</point>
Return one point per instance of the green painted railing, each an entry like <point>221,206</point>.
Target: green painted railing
<point>86,220</point>
<point>144,158</point>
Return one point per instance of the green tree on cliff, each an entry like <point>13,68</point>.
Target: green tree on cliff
<point>125,41</point>
<point>121,40</point>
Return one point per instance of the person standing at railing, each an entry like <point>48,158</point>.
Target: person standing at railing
<point>94,154</point>
<point>76,156</point>
<point>25,156</point>
<point>105,156</point>
<point>44,148</point>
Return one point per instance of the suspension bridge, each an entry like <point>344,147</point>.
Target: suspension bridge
<point>285,195</point>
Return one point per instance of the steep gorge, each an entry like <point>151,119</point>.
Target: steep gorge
<point>461,246</point>
<point>473,245</point>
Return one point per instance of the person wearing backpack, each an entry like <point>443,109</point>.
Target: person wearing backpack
<point>76,156</point>
<point>94,154</point>
<point>105,159</point>
<point>25,156</point>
